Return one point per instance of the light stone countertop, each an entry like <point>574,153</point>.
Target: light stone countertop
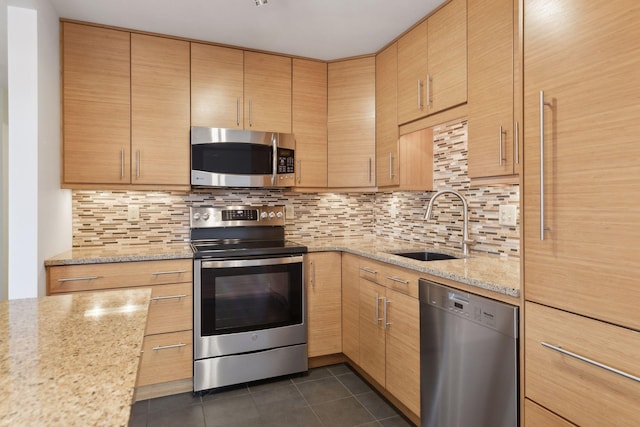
<point>121,253</point>
<point>496,274</point>
<point>71,360</point>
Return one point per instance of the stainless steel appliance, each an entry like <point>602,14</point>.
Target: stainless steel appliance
<point>249,301</point>
<point>239,158</point>
<point>468,359</point>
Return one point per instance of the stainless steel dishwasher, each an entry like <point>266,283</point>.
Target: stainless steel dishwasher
<point>468,359</point>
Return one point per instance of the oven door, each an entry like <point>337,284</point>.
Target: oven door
<point>248,305</point>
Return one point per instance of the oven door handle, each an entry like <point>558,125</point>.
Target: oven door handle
<point>251,262</point>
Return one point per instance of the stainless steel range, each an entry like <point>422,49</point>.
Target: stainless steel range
<point>249,301</point>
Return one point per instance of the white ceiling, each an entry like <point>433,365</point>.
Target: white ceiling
<point>322,29</point>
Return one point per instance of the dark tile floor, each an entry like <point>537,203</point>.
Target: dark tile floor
<point>332,396</point>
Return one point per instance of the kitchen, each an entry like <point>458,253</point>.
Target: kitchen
<point>100,216</point>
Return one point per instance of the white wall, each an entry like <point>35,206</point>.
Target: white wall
<point>39,213</point>
<point>4,138</point>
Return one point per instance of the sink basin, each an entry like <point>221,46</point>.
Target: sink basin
<point>425,256</point>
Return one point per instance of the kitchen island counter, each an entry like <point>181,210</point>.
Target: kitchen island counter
<point>71,360</point>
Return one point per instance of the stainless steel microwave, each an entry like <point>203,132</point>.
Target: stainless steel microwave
<point>240,158</point>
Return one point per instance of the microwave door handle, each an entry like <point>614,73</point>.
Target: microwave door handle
<point>274,142</point>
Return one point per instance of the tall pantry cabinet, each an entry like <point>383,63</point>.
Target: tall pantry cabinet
<point>582,211</point>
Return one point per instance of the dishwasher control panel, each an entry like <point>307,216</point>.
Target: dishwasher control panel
<point>485,311</point>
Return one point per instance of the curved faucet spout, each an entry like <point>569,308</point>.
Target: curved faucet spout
<point>465,216</point>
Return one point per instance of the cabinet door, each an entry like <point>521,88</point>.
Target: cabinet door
<point>491,103</point>
<point>324,303</point>
<point>372,332</point>
<point>387,161</point>
<point>96,105</point>
<point>159,110</point>
<point>350,307</point>
<point>586,263</point>
<point>310,122</point>
<point>447,57</point>
<point>267,92</point>
<point>412,72</point>
<point>217,86</point>
<point>351,123</point>
<point>166,357</point>
<point>403,349</point>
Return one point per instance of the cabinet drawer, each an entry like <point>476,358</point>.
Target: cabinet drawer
<point>400,280</point>
<point>396,278</point>
<point>90,277</point>
<point>536,416</point>
<point>170,309</point>
<point>166,357</point>
<point>579,391</point>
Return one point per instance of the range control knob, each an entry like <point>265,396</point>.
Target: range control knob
<point>271,215</point>
<point>279,215</point>
<point>196,216</point>
<point>263,215</point>
<point>205,216</point>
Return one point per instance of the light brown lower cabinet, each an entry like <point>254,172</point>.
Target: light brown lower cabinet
<point>351,307</point>
<point>324,303</point>
<point>167,349</point>
<point>567,357</point>
<point>388,325</point>
<point>536,416</point>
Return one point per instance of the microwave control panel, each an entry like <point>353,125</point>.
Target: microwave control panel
<point>286,161</point>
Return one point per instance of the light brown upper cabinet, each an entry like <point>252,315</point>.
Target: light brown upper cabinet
<point>351,123</point>
<point>159,110</point>
<point>310,122</point>
<point>125,109</point>
<point>387,161</point>
<point>96,106</point>
<point>432,64</point>
<point>493,140</point>
<point>231,88</point>
<point>217,86</point>
<point>267,92</point>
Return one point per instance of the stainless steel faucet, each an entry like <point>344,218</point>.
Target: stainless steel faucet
<point>465,217</point>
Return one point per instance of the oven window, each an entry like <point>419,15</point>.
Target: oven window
<point>233,158</point>
<point>250,298</point>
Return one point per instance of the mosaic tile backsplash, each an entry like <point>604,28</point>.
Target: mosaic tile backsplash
<point>100,217</point>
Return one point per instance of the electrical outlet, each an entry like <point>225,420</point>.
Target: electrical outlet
<point>133,213</point>
<point>508,215</point>
<point>394,211</point>
<point>288,212</point>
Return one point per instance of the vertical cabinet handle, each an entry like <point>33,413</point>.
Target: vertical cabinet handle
<point>313,275</point>
<point>385,303</point>
<point>390,166</point>
<point>419,97</point>
<point>501,141</point>
<point>137,163</point>
<point>250,112</point>
<point>370,169</point>
<point>542,105</point>
<point>299,171</point>
<point>517,137</point>
<point>377,310</point>
<point>428,90</point>
<point>122,163</point>
<point>238,111</point>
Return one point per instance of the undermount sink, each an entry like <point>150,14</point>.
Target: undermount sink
<point>425,256</point>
